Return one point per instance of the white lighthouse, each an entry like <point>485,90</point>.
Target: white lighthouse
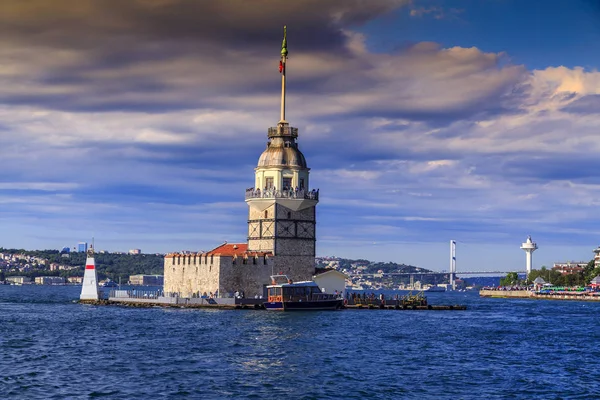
<point>529,246</point>
<point>89,288</point>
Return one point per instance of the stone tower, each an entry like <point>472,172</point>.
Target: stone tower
<point>282,206</point>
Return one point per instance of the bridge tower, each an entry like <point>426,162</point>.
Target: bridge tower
<point>529,246</point>
<point>453,264</point>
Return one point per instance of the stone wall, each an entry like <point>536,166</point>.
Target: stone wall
<point>297,268</point>
<point>308,214</point>
<point>192,275</point>
<point>249,278</point>
<point>295,247</point>
<point>189,276</point>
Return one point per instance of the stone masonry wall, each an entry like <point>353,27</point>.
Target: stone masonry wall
<point>297,268</point>
<point>307,214</point>
<point>249,278</point>
<point>189,275</point>
<point>221,273</point>
<point>295,247</point>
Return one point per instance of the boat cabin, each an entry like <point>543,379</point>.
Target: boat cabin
<point>283,289</point>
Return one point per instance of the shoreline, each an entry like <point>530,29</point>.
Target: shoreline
<point>524,294</point>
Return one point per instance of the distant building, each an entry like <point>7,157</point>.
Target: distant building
<point>75,279</point>
<point>82,247</point>
<point>18,279</point>
<point>147,280</point>
<point>135,251</point>
<point>65,250</point>
<point>49,280</point>
<point>571,267</point>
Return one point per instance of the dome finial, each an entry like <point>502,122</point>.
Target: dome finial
<point>282,62</point>
<point>284,50</point>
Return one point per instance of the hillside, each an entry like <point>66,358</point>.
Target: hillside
<point>109,265</point>
<point>368,274</point>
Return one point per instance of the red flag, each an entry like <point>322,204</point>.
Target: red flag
<point>280,66</point>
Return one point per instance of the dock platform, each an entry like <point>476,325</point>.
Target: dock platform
<point>257,304</point>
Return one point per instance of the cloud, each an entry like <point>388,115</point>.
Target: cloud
<point>145,119</point>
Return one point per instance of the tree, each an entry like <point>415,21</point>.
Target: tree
<point>512,278</point>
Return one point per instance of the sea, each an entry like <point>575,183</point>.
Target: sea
<point>54,348</point>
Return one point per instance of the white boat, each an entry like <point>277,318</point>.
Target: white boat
<point>435,289</point>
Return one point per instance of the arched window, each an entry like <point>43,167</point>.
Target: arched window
<point>266,213</point>
<point>289,215</point>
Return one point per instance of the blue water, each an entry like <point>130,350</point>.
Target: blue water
<point>53,348</point>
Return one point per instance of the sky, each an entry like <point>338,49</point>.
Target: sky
<point>139,123</point>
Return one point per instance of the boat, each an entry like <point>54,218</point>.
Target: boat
<point>286,295</point>
<point>435,289</point>
<point>109,283</point>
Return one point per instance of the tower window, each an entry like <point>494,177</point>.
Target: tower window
<point>269,183</point>
<point>287,183</point>
<point>266,213</point>
<point>289,215</point>
<point>301,183</point>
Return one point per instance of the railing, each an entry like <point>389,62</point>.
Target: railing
<point>252,193</point>
<point>283,131</point>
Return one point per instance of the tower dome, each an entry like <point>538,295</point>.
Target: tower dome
<point>279,156</point>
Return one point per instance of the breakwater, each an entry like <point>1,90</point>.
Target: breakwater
<point>524,294</point>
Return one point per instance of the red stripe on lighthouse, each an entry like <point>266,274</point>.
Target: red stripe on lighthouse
<point>90,267</point>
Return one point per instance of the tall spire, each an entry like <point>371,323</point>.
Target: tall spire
<point>284,53</point>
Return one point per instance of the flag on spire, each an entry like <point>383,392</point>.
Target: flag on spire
<point>284,51</point>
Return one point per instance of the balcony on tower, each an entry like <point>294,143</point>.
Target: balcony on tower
<point>252,193</point>
<point>283,130</point>
<point>294,199</point>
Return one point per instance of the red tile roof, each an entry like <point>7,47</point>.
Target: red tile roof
<point>226,249</point>
<point>229,249</point>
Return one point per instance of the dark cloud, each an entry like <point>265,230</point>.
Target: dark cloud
<point>85,51</point>
<point>106,25</point>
